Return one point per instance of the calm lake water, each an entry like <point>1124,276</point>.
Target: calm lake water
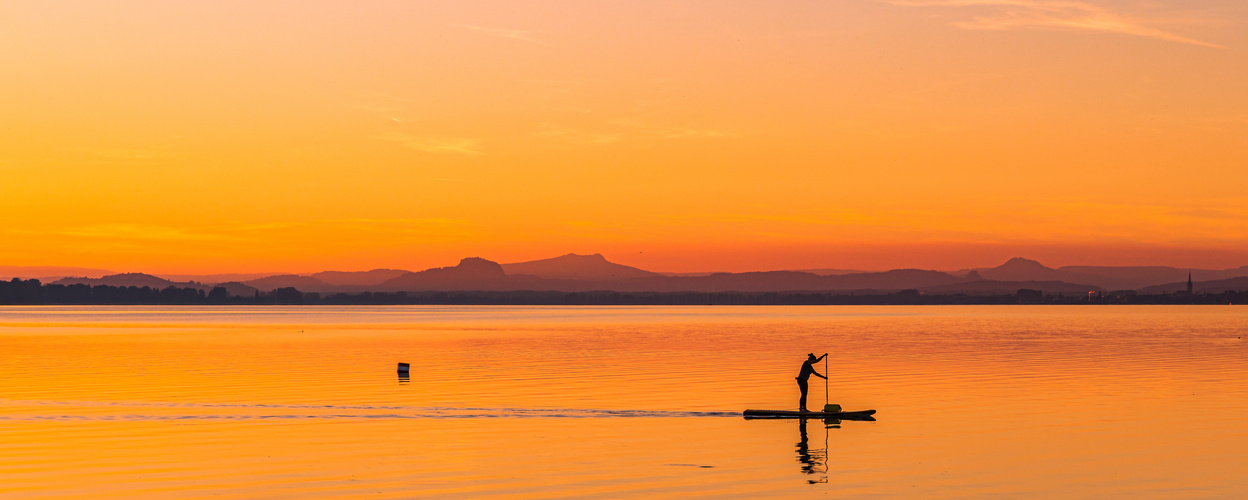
<point>621,402</point>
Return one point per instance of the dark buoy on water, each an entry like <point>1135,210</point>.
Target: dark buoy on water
<point>404,367</point>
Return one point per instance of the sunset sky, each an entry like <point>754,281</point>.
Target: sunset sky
<point>300,136</point>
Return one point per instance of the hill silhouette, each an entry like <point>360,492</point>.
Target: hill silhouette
<point>127,279</point>
<point>214,278</point>
<point>140,280</point>
<point>789,281</point>
<point>235,288</point>
<point>475,274</point>
<point>1212,286</point>
<point>830,271</point>
<point>302,283</point>
<point>993,287</point>
<point>577,267</point>
<point>359,278</point>
<point>574,273</point>
<point>594,273</point>
<point>1020,269</point>
<point>472,273</point>
<point>1104,277</point>
<point>1139,277</point>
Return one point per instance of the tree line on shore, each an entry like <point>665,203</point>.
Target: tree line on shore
<point>33,292</point>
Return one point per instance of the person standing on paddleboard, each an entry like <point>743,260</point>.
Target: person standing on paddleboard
<point>808,369</point>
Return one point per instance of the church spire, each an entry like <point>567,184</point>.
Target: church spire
<point>1189,283</point>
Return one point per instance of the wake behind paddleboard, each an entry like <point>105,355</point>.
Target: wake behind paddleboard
<point>839,415</point>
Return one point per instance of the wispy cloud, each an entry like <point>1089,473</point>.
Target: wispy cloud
<point>522,35</point>
<point>436,144</point>
<point>1058,15</point>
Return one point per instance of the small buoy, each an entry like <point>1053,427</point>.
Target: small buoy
<point>403,367</point>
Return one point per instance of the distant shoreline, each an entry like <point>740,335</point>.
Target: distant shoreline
<point>32,292</point>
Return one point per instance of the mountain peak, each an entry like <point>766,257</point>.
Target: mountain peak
<point>358,278</point>
<point>572,266</point>
<point>479,265</point>
<point>125,280</point>
<point>597,257</point>
<point>1020,269</point>
<point>122,279</point>
<point>472,273</point>
<point>1023,263</point>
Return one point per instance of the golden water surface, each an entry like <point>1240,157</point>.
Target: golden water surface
<point>621,402</point>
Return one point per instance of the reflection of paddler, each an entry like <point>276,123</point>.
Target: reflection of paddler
<point>813,461</point>
<point>808,369</point>
<point>803,449</point>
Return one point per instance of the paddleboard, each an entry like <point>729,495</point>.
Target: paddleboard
<point>840,415</point>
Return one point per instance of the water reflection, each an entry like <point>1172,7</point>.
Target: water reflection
<point>814,462</point>
<point>404,378</point>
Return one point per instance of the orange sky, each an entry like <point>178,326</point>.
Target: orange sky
<point>674,136</point>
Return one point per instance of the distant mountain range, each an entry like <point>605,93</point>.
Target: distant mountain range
<point>578,267</point>
<point>1212,286</point>
<point>146,280</point>
<point>584,273</point>
<point>1109,278</point>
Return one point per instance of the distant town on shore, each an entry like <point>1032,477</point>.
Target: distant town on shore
<point>593,280</point>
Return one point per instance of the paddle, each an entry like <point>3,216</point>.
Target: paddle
<point>827,407</point>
